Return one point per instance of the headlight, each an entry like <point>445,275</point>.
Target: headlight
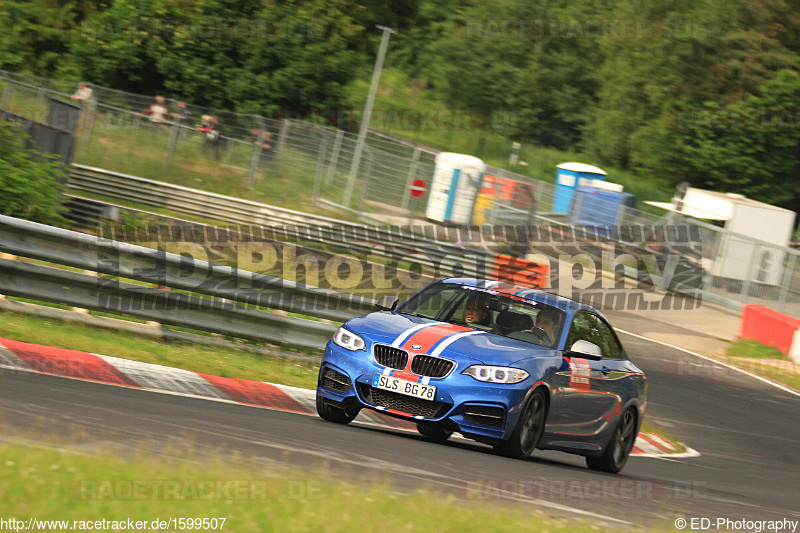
<point>348,341</point>
<point>496,374</point>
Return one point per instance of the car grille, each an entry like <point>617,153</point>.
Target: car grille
<point>484,415</point>
<point>390,356</point>
<point>435,367</point>
<point>401,402</point>
<point>331,379</point>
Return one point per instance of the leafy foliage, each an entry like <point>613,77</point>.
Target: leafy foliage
<point>615,79</point>
<point>242,55</point>
<point>28,179</point>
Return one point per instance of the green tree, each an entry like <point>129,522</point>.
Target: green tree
<point>518,60</point>
<point>243,55</point>
<point>750,147</point>
<point>29,179</point>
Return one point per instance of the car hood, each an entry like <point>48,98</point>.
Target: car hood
<point>446,340</point>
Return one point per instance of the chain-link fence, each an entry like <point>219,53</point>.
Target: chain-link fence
<point>286,162</point>
<point>299,164</point>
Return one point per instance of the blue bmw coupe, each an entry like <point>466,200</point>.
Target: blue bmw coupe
<point>509,366</point>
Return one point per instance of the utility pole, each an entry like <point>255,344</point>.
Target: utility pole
<point>362,133</point>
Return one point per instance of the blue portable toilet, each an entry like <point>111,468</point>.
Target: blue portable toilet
<point>599,206</point>
<point>569,176</point>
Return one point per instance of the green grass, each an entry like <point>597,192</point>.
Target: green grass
<point>755,350</point>
<point>51,484</point>
<point>764,360</point>
<point>189,356</point>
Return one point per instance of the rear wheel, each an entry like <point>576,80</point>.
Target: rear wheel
<point>331,413</point>
<point>529,429</point>
<point>435,432</point>
<point>619,449</point>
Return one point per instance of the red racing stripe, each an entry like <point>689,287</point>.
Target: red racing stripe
<point>67,363</point>
<point>427,337</point>
<point>255,393</point>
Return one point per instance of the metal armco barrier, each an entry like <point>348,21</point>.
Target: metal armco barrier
<point>87,252</point>
<point>26,280</point>
<point>440,258</point>
<point>75,249</point>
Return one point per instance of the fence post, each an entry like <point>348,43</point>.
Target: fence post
<point>282,133</point>
<point>787,282</point>
<point>320,167</point>
<point>367,179</point>
<point>173,142</point>
<point>88,115</point>
<point>256,159</point>
<point>334,161</point>
<point>412,174</point>
<point>748,278</point>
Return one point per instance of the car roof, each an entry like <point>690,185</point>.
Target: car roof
<point>534,295</point>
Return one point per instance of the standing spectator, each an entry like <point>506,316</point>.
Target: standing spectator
<point>263,139</point>
<point>84,94</point>
<point>213,135</point>
<point>182,116</point>
<point>157,111</point>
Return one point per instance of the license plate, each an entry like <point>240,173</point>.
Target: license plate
<point>404,386</point>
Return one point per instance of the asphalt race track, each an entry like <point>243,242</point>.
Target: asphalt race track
<point>747,433</point>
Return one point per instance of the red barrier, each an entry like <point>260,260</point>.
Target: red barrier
<point>520,272</point>
<point>768,326</point>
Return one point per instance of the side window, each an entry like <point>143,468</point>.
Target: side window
<point>583,328</point>
<point>608,342</point>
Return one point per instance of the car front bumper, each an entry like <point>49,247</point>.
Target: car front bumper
<point>482,411</point>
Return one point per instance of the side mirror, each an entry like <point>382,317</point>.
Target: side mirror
<point>586,349</point>
<point>387,303</point>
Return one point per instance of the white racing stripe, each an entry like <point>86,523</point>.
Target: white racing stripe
<point>398,342</point>
<point>451,339</point>
<point>717,361</point>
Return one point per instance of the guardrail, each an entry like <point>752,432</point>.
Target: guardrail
<point>87,252</point>
<point>438,257</point>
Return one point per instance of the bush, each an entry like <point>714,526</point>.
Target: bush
<point>29,180</point>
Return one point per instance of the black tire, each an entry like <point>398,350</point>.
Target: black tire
<point>619,448</point>
<point>435,432</point>
<point>332,413</point>
<point>529,428</point>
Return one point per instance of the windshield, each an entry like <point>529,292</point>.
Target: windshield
<point>484,309</point>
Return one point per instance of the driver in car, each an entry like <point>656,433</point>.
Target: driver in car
<point>476,312</point>
<point>547,320</point>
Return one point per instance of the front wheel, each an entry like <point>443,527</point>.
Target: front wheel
<point>529,429</point>
<point>619,449</point>
<point>332,413</point>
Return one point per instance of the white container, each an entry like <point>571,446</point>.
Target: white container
<point>736,257</point>
<point>456,182</point>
